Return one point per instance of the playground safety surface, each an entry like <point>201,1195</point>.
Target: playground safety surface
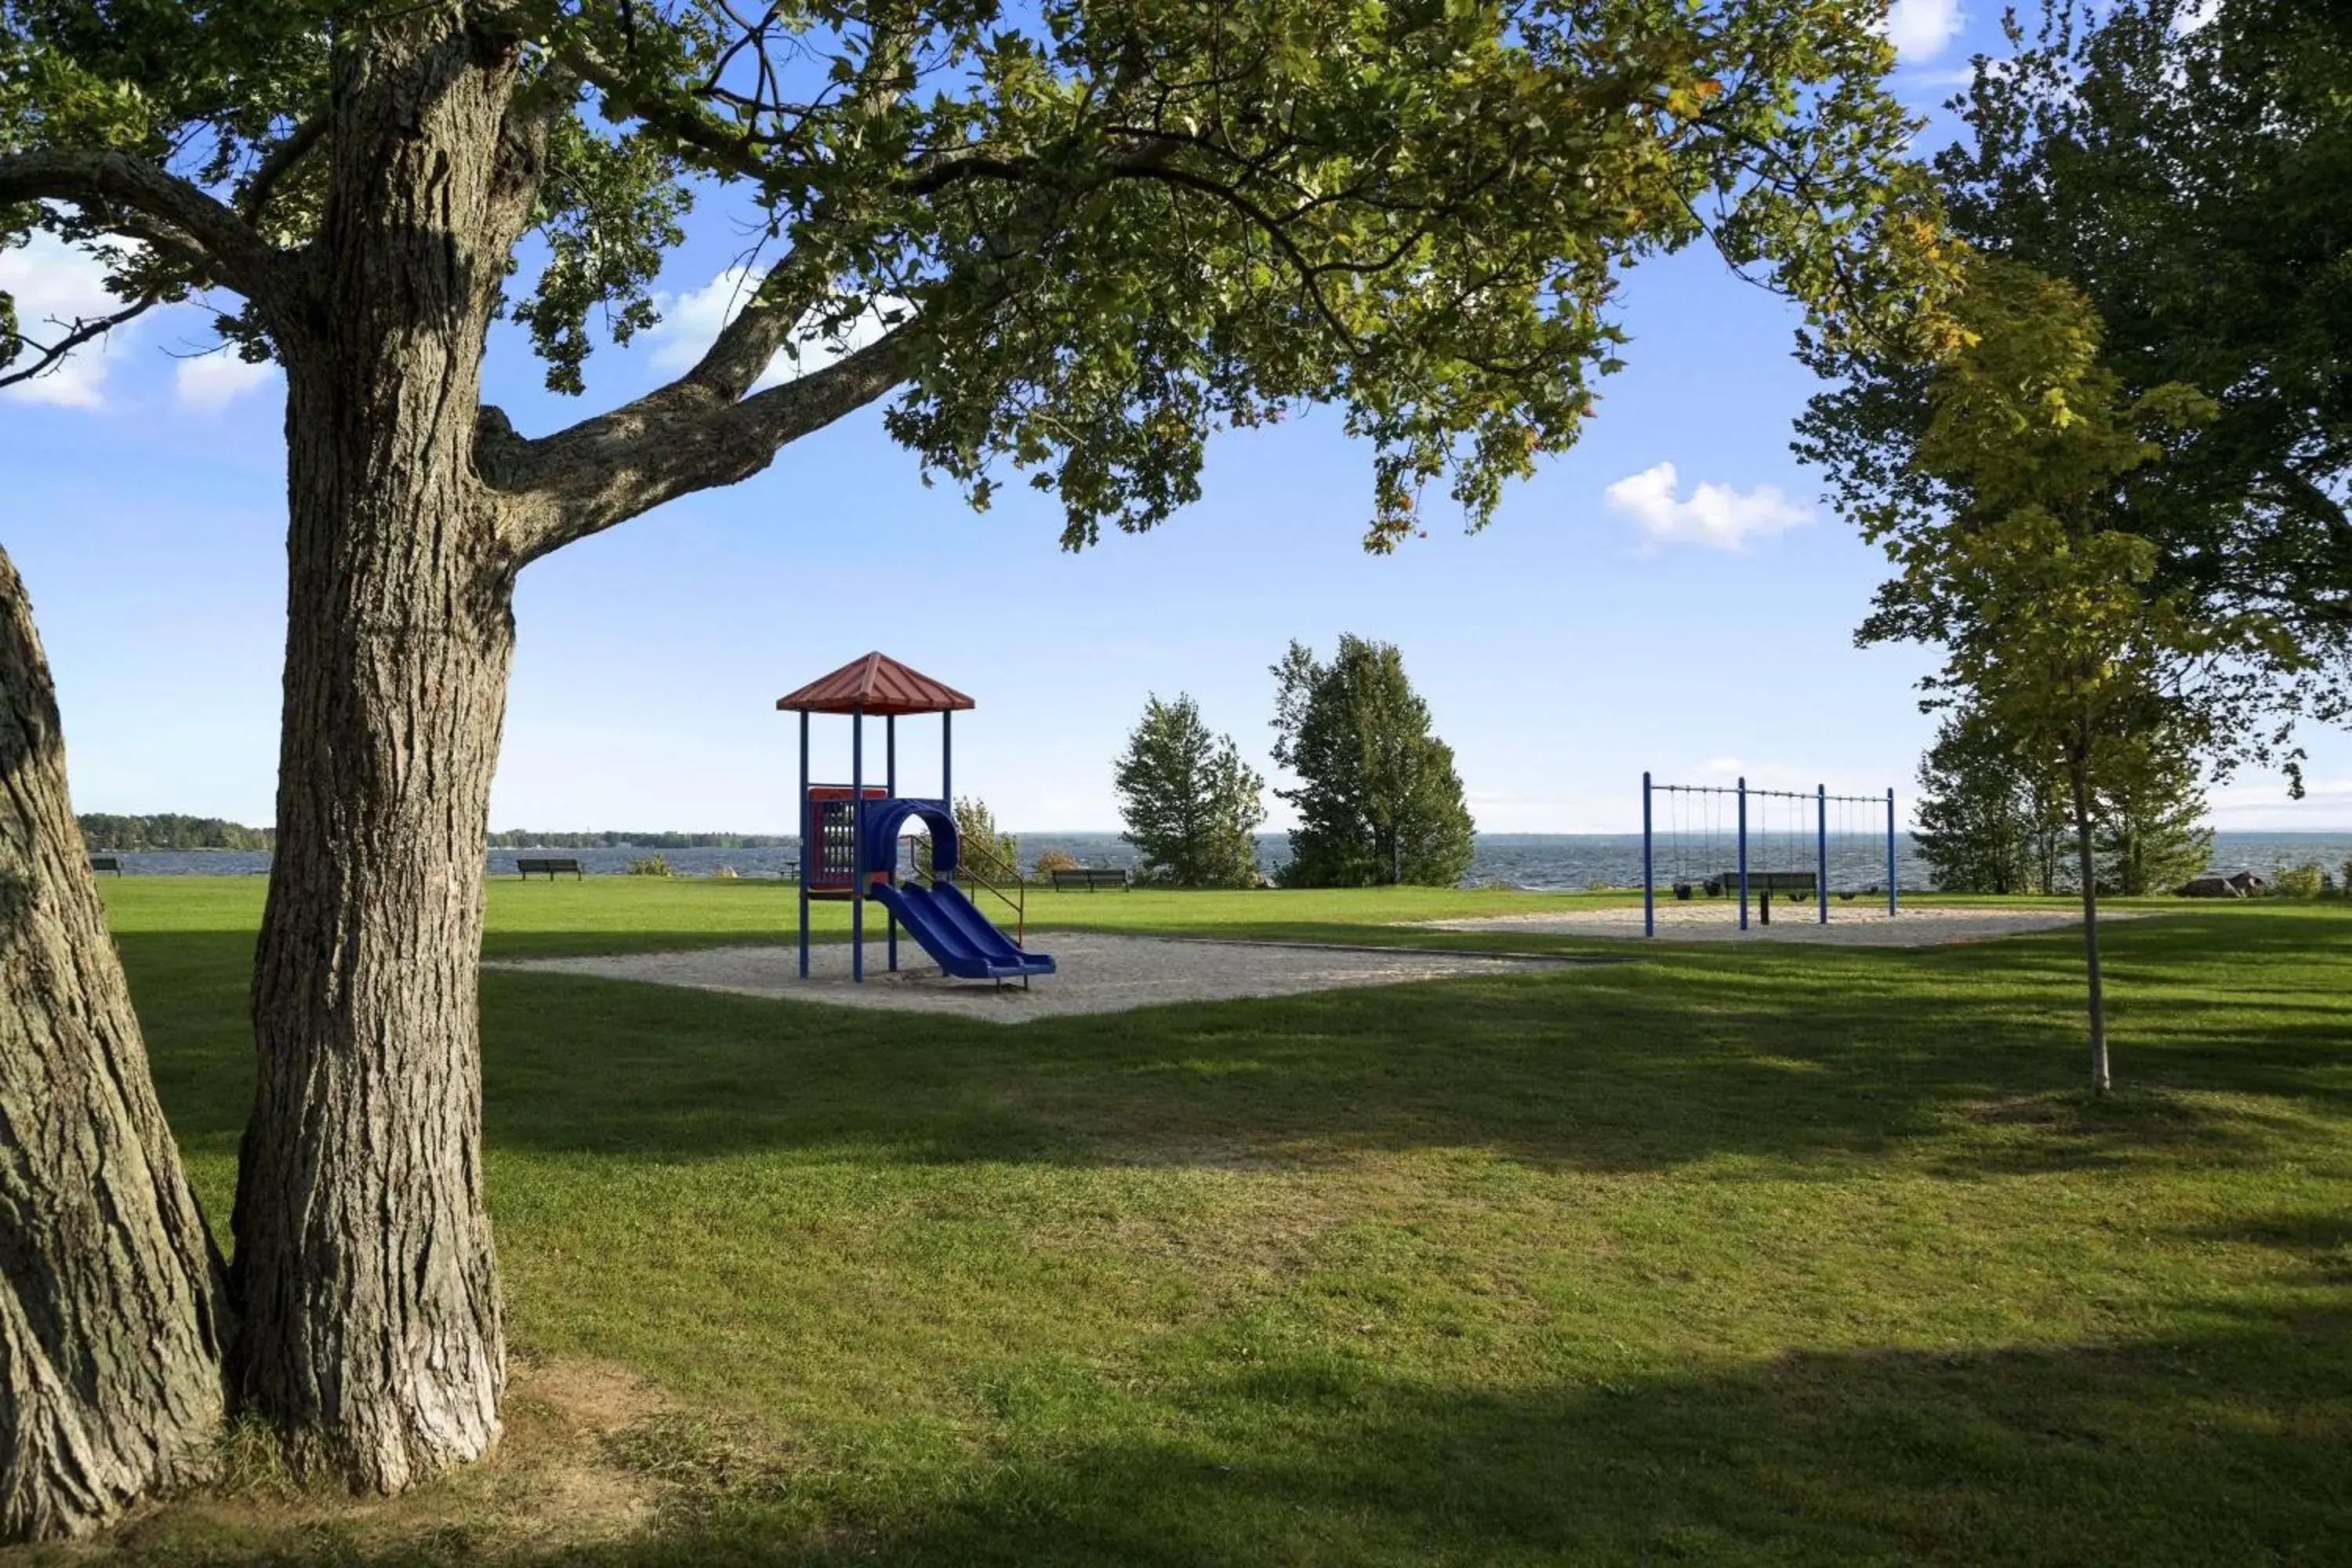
<point>1095,974</point>
<point>1850,925</point>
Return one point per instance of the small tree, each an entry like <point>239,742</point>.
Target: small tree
<point>2052,628</point>
<point>976,827</point>
<point>2152,833</point>
<point>1987,822</point>
<point>1190,803</point>
<point>1379,802</point>
<point>980,846</point>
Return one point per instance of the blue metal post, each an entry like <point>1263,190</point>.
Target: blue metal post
<point>1891,906</point>
<point>1649,891</point>
<point>857,844</point>
<point>1822,850</point>
<point>808,843</point>
<point>947,773</point>
<point>1743,852</point>
<point>890,782</point>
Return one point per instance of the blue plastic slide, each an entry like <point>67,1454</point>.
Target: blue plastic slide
<point>958,935</point>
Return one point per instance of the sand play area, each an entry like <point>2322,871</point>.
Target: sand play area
<point>1850,925</point>
<point>1098,973</point>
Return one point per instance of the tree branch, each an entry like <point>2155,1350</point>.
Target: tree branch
<point>54,354</point>
<point>247,262</point>
<point>685,437</point>
<point>718,150</point>
<point>281,158</point>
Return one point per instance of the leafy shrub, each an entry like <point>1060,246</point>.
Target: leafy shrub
<point>725,874</point>
<point>1054,860</point>
<point>2302,881</point>
<point>984,849</point>
<point>650,866</point>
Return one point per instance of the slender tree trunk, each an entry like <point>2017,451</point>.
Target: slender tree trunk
<point>371,1329</point>
<point>2088,869</point>
<point>109,1337</point>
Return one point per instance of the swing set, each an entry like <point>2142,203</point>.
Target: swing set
<point>1727,840</point>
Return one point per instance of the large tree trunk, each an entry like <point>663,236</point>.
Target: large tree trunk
<point>2086,866</point>
<point>109,1341</point>
<point>370,1325</point>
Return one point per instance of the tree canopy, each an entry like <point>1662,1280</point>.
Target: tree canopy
<point>1079,238</point>
<point>2187,167</point>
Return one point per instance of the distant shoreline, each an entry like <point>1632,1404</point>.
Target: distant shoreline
<point>1538,862</point>
<point>509,840</point>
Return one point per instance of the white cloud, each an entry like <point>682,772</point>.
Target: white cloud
<point>1715,515</point>
<point>55,286</point>
<point>1920,28</point>
<point>2256,805</point>
<point>211,382</point>
<point>691,321</point>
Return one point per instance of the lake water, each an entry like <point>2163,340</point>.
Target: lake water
<point>1543,861</point>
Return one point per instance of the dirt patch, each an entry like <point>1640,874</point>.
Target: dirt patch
<point>554,1482</point>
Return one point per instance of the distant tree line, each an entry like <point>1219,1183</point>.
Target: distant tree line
<point>109,832</point>
<point>1378,798</point>
<point>1992,821</point>
<point>525,838</point>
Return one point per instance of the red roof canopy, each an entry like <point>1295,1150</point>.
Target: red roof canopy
<point>877,684</point>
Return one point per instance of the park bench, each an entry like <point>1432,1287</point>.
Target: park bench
<point>1087,877</point>
<point>107,863</point>
<point>548,866</point>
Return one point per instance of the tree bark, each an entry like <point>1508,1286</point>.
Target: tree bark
<point>110,1332</point>
<point>370,1325</point>
<point>2087,867</point>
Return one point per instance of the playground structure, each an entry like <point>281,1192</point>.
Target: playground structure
<point>850,846</point>
<point>1694,812</point>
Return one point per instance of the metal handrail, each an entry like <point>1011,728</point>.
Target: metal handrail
<point>992,874</point>
<point>995,870</point>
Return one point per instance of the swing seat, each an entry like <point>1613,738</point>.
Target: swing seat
<point>1683,890</point>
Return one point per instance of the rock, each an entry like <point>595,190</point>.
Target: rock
<point>2210,887</point>
<point>2248,885</point>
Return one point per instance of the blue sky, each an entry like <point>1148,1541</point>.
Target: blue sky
<point>1669,596</point>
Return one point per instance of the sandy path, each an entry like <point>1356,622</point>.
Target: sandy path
<point>1850,925</point>
<point>1098,973</point>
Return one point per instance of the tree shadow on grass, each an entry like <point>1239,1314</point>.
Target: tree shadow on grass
<point>1809,1056</point>
<point>2214,1450</point>
<point>2227,1446</point>
<point>1785,1054</point>
<point>2320,1241</point>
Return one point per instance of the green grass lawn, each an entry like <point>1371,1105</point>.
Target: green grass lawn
<point>1737,1254</point>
